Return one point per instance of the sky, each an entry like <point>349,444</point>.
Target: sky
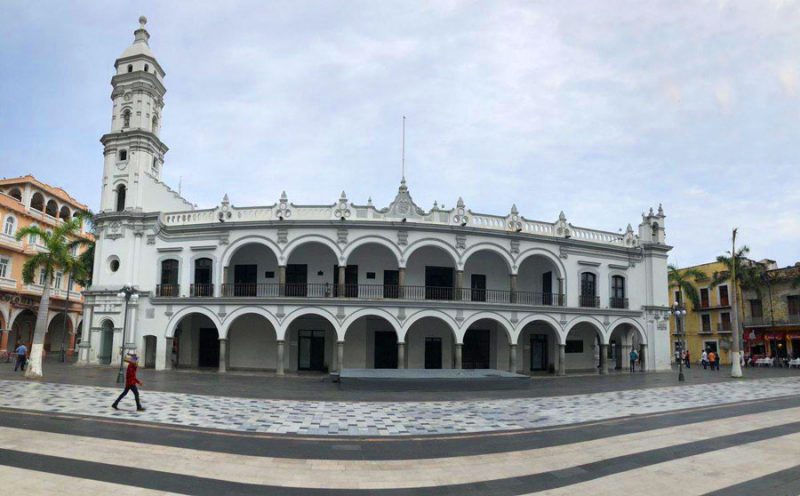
<point>599,109</point>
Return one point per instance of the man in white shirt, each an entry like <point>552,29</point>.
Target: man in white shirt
<point>704,359</point>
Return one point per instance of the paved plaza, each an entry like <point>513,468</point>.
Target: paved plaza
<point>550,439</point>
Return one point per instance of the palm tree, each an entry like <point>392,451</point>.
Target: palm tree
<point>749,275</point>
<point>57,254</point>
<point>683,280</point>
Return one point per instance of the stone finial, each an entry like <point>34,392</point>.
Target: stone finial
<point>142,21</point>
<point>283,196</point>
<point>660,210</point>
<point>460,202</point>
<point>225,198</point>
<point>514,210</point>
<point>435,204</point>
<point>369,201</point>
<point>629,229</point>
<point>562,217</point>
<point>343,196</point>
<point>650,213</point>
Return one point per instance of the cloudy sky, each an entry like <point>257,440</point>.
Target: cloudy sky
<point>599,109</point>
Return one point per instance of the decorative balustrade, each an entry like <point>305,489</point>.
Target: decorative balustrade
<point>589,301</point>
<point>366,292</point>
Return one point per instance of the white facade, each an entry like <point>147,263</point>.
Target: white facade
<point>288,287</point>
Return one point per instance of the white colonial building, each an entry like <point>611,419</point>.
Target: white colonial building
<point>288,287</point>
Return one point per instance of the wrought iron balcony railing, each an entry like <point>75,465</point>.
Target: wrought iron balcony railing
<point>615,302</point>
<point>590,301</point>
<point>368,292</point>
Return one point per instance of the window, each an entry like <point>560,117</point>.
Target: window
<point>725,321</point>
<point>126,118</point>
<point>146,68</point>
<point>42,277</point>
<point>57,280</point>
<point>618,292</point>
<point>756,310</point>
<point>71,285</point>
<point>123,155</point>
<point>723,296</point>
<point>704,298</point>
<point>33,239</point>
<point>37,202</point>
<point>8,226</point>
<point>4,271</point>
<point>677,296</point>
<point>130,67</point>
<point>155,123</point>
<point>121,190</point>
<point>588,289</point>
<point>73,250</point>
<point>169,278</point>
<point>154,167</point>
<point>16,194</point>
<point>706,321</point>
<point>793,303</point>
<point>574,346</point>
<point>113,265</point>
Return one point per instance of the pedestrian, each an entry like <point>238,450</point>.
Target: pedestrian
<point>22,357</point>
<point>712,359</point>
<point>716,361</point>
<point>688,360</point>
<point>634,356</point>
<point>704,359</point>
<point>130,382</point>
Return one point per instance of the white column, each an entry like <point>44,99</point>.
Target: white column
<point>458,355</point>
<point>279,369</point>
<point>223,355</point>
<point>340,353</point>
<point>513,359</point>
<point>603,359</point>
<point>562,355</point>
<point>643,357</point>
<point>86,340</point>
<point>401,355</point>
<point>168,354</point>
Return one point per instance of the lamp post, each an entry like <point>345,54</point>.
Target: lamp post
<point>64,320</point>
<point>679,312</point>
<point>129,293</point>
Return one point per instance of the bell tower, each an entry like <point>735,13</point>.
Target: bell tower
<point>133,152</point>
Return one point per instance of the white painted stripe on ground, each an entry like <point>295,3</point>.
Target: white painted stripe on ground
<point>33,483</point>
<point>379,474</point>
<point>697,474</point>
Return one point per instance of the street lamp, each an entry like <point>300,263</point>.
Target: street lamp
<point>129,293</point>
<point>679,312</point>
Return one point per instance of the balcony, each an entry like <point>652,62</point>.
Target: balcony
<point>614,302</point>
<point>366,292</point>
<point>590,301</point>
<point>764,321</point>
<point>724,327</point>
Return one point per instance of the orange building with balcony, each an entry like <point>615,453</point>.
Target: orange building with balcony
<point>26,201</point>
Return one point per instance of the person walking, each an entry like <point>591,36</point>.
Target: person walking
<point>130,383</point>
<point>712,359</point>
<point>688,360</point>
<point>716,361</point>
<point>22,357</point>
<point>634,356</point>
<point>704,359</point>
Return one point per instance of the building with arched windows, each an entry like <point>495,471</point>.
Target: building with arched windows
<point>289,287</point>
<point>26,201</point>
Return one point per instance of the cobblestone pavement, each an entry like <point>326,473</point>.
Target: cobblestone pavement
<point>340,418</point>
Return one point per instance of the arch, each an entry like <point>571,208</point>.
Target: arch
<point>421,314</point>
<point>121,192</point>
<point>16,194</point>
<point>491,247</point>
<point>438,243</point>
<point>233,247</point>
<point>592,321</point>
<point>64,214</point>
<point>126,118</point>
<point>10,225</point>
<point>371,239</point>
<point>37,201</point>
<point>552,322</point>
<point>180,314</point>
<point>22,311</point>
<point>300,312</point>
<point>373,312</point>
<point>105,351</point>
<point>494,316</point>
<point>51,208</point>
<point>231,317</point>
<point>308,239</point>
<point>636,326</point>
<point>530,252</point>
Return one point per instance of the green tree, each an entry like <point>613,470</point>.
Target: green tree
<point>684,280</point>
<point>57,255</point>
<point>749,275</point>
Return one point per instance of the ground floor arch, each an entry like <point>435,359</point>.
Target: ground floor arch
<point>538,348</point>
<point>196,342</point>
<point>310,344</point>
<point>486,345</point>
<point>371,342</point>
<point>150,346</point>
<point>583,350</point>
<point>106,349</point>
<point>22,330</point>
<point>58,332</point>
<point>252,343</point>
<point>430,344</point>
